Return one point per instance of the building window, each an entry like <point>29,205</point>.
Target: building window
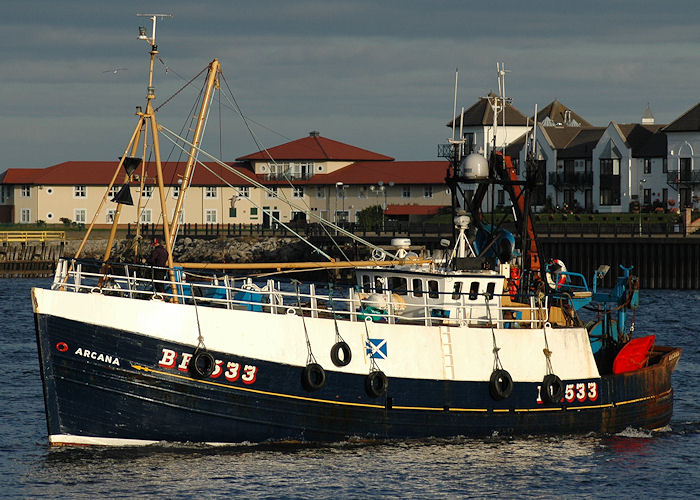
<point>25,216</point>
<point>253,212</point>
<point>244,191</point>
<point>211,192</point>
<point>501,197</point>
<point>210,216</point>
<point>146,216</point>
<point>664,198</point>
<point>175,193</point>
<point>232,212</point>
<point>110,215</point>
<point>427,191</point>
<point>79,191</point>
<point>320,192</point>
<point>271,193</point>
<point>362,192</point>
<point>80,215</point>
<point>113,191</point>
<point>664,166</point>
<point>298,192</point>
<point>25,191</point>
<point>609,182</point>
<point>647,197</point>
<point>147,191</point>
<point>406,192</point>
<point>647,165</point>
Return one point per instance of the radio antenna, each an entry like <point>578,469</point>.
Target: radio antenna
<point>142,29</point>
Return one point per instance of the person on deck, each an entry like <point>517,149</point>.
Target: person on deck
<point>158,258</point>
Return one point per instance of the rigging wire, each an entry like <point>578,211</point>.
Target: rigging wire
<point>262,148</point>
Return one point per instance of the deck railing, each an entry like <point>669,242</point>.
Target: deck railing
<point>310,300</point>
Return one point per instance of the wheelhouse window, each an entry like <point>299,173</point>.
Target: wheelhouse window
<point>378,284</point>
<point>474,290</point>
<point>366,284</point>
<point>398,285</point>
<point>490,288</point>
<point>457,290</point>
<point>433,292</point>
<point>417,287</point>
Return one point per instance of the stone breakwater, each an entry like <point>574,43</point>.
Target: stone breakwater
<point>200,250</point>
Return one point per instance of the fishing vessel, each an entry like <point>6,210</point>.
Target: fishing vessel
<point>481,337</point>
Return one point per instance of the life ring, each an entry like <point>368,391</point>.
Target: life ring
<point>500,385</point>
<point>552,389</point>
<point>557,278</point>
<point>313,377</point>
<point>335,354</point>
<point>376,384</point>
<point>202,364</point>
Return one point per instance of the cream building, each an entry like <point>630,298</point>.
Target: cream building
<point>314,174</point>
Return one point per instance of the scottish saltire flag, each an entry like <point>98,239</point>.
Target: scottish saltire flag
<point>376,348</point>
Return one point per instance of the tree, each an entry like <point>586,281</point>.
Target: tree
<point>370,216</point>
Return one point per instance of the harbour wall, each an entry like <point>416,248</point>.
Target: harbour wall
<point>660,263</point>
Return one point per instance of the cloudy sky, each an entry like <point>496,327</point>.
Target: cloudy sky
<point>375,74</point>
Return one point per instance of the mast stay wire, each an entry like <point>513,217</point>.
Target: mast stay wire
<point>324,223</point>
<point>262,148</point>
<point>267,190</point>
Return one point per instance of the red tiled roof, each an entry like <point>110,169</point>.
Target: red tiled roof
<point>398,172</point>
<point>315,147</point>
<point>100,173</point>
<point>413,209</point>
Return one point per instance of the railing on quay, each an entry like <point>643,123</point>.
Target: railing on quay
<point>424,230</point>
<point>25,236</point>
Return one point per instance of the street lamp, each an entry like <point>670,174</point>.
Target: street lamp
<point>639,196</point>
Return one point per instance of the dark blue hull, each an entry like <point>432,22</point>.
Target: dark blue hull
<point>105,383</point>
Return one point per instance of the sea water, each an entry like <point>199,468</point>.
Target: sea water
<point>633,464</point>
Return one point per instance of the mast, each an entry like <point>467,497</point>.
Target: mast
<point>212,80</point>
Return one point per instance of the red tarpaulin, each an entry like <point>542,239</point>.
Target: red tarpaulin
<point>634,355</point>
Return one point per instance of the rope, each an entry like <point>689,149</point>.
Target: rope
<point>200,337</point>
<point>310,356</point>
<point>497,365</point>
<point>338,338</point>
<point>546,351</point>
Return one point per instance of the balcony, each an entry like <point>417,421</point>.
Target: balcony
<point>571,180</point>
<point>683,178</point>
<point>288,175</point>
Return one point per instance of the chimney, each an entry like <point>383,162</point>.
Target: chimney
<point>314,133</point>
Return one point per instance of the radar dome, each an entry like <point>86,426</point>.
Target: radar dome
<point>474,166</point>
